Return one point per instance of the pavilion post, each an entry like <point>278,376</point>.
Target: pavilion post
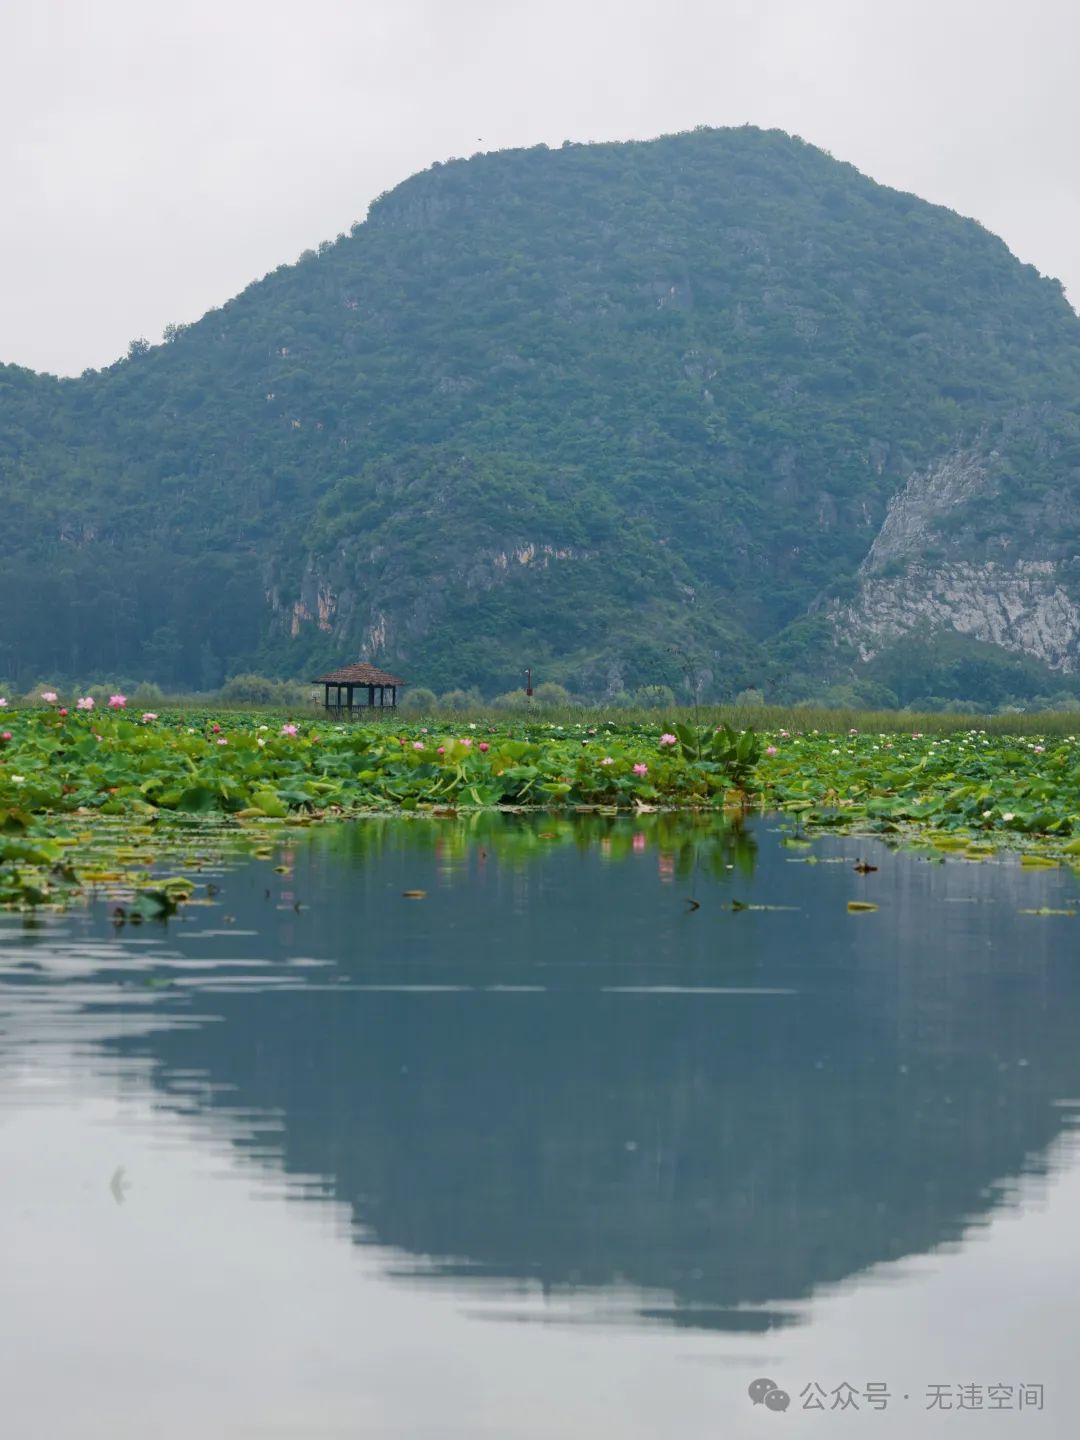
<point>349,685</point>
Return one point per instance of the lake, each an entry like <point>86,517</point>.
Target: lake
<point>613,1120</point>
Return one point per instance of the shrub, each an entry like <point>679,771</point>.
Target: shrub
<point>511,700</point>
<point>551,694</point>
<point>294,693</point>
<point>251,690</point>
<point>147,694</point>
<point>419,698</point>
<point>460,700</point>
<point>654,697</point>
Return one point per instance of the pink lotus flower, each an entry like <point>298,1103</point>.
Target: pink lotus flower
<point>467,740</point>
<point>441,750</point>
<point>49,696</point>
<point>1039,749</point>
<point>149,715</point>
<point>641,768</point>
<point>783,734</point>
<point>3,703</point>
<point>117,702</point>
<point>86,702</point>
<point>62,710</point>
<point>215,728</point>
<point>484,745</point>
<point>289,729</point>
<point>771,750</point>
<point>223,741</point>
<point>669,740</point>
<point>5,737</point>
<point>418,745</point>
<point>607,760</point>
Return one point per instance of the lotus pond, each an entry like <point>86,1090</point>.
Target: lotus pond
<point>97,800</point>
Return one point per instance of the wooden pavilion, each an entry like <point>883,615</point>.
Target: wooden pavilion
<point>362,678</point>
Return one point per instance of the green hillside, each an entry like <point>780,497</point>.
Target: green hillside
<point>578,409</point>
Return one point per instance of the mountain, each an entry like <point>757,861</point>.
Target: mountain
<point>714,402</point>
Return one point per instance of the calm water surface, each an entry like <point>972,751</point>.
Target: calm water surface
<point>547,1152</point>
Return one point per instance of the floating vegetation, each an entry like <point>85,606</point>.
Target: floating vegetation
<point>93,801</point>
<point>744,905</point>
<point>57,866</point>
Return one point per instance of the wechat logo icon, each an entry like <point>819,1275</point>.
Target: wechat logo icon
<point>768,1393</point>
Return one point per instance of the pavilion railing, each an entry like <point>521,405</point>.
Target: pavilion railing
<point>356,712</point>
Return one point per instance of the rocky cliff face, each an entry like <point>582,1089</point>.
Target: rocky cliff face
<point>948,558</point>
<point>378,607</point>
<point>1021,607</point>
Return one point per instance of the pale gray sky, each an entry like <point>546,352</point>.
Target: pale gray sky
<point>158,155</point>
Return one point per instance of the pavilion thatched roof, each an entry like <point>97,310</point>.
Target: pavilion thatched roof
<point>361,674</point>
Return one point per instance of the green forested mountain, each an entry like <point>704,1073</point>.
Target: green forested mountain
<point>581,409</point>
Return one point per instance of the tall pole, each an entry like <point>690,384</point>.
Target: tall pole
<point>528,681</point>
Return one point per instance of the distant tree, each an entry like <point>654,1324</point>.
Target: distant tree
<point>251,690</point>
<point>512,700</point>
<point>460,700</point>
<point>419,700</point>
<point>146,694</point>
<point>654,697</point>
<point>551,694</point>
<point>210,667</point>
<point>163,653</point>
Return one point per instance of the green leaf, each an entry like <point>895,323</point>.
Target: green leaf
<point>197,799</point>
<point>270,803</point>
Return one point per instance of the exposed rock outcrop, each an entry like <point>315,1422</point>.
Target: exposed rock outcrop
<point>930,495</point>
<point>1021,607</point>
<point>934,565</point>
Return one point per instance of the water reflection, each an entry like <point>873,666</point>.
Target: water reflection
<point>553,1071</point>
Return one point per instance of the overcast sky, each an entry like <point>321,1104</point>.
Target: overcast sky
<point>158,155</point>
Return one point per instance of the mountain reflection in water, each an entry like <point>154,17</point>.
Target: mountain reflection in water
<point>552,1070</point>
